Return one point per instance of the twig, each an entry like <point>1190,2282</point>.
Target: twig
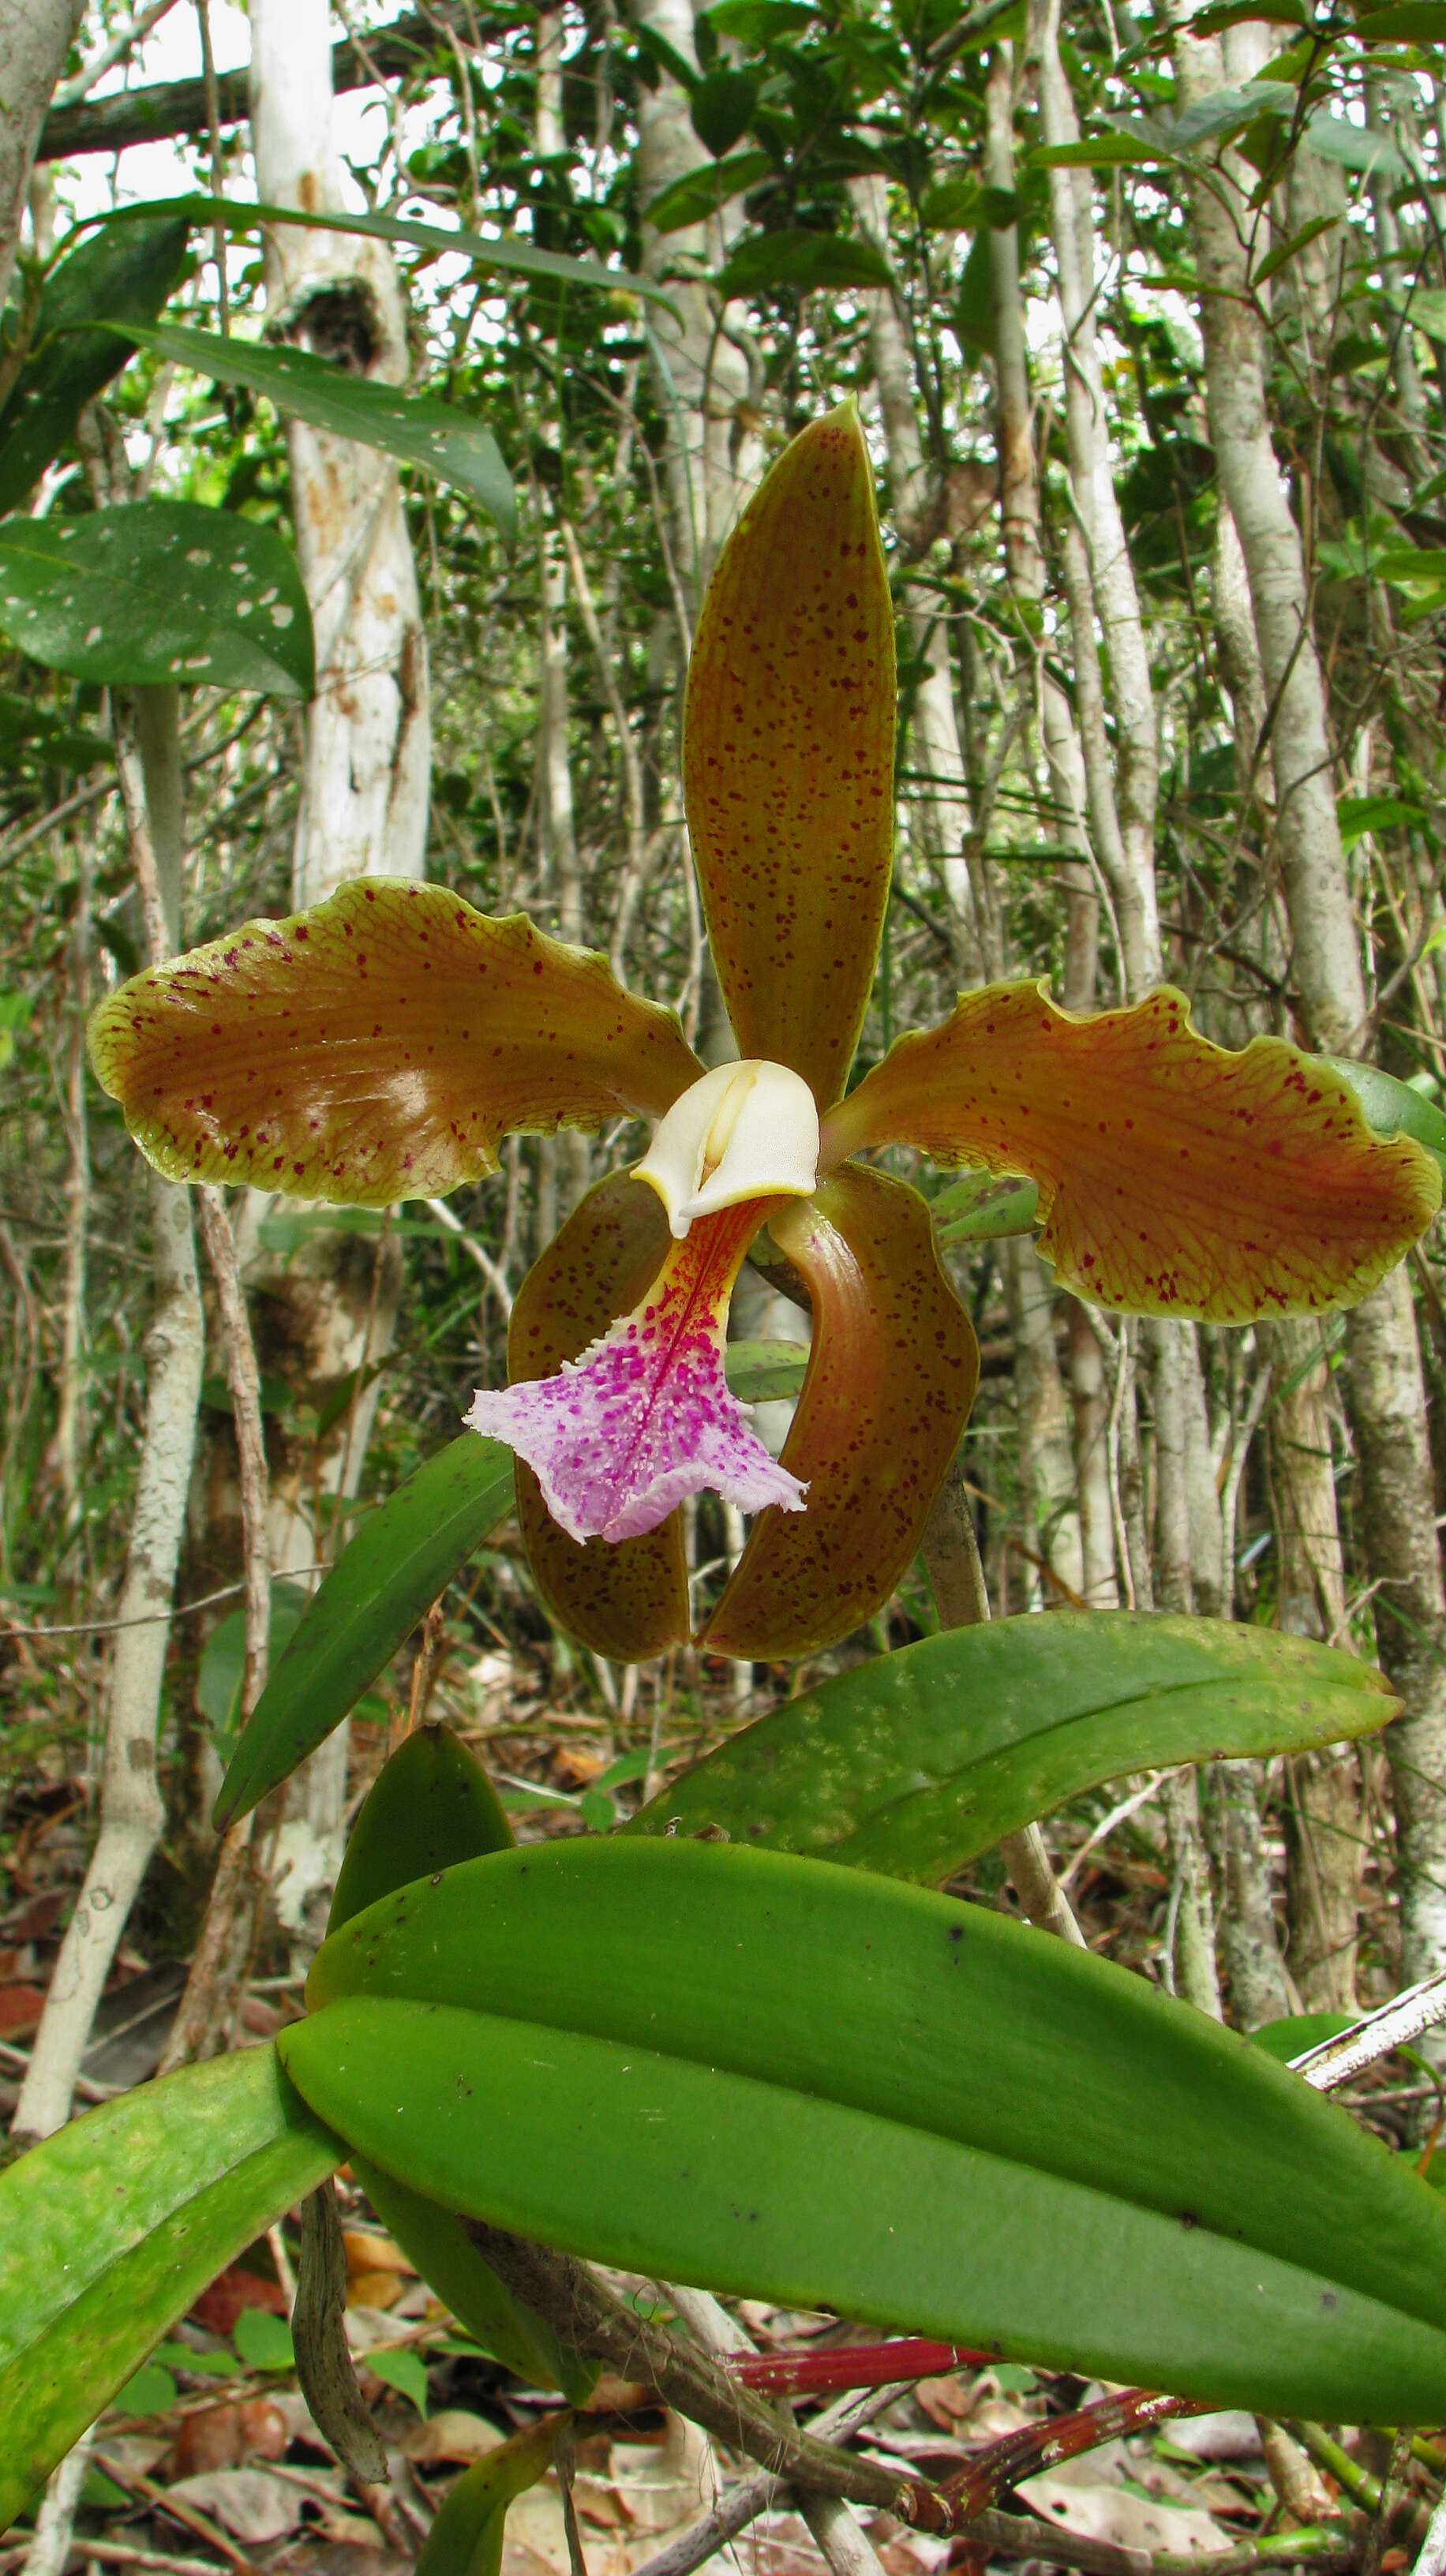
<point>245,1385</point>
<point>476,1252</point>
<point>149,1618</point>
<point>424,1673</point>
<point>1002,2465</point>
<point>190,2518</point>
<point>70,93</point>
<point>1009,2535</point>
<point>1332,2061</point>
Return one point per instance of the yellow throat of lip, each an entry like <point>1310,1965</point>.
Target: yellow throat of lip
<point>744,1131</point>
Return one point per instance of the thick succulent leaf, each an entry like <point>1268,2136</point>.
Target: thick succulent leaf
<point>628,1600</point>
<point>430,1805</point>
<point>1393,1108</point>
<point>377,1047</point>
<point>439,437</point>
<point>759,2073</point>
<point>918,1761</point>
<point>403,1555</point>
<point>158,591</point>
<point>467,2535</point>
<point>788,755</point>
<point>1176,1179</point>
<point>891,1378</point>
<point>765,1372</point>
<point>113,278</point>
<point>111,2228</point>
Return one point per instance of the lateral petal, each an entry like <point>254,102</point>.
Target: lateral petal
<point>788,755</point>
<point>891,1378</point>
<point>1176,1178</point>
<point>628,1601</point>
<point>377,1047</point>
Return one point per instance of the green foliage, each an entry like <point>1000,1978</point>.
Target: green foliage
<point>417,428</point>
<point>111,2228</point>
<point>466,2537</point>
<point>402,1557</point>
<point>79,340</point>
<point>741,2069</point>
<point>917,1762</point>
<point>158,590</point>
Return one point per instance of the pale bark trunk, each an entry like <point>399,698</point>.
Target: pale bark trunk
<point>561,857</point>
<point>1020,521</point>
<point>1258,1990</point>
<point>1387,1394</point>
<point>1327,953</point>
<point>368,736</point>
<point>69,1436</point>
<point>1092,1461</point>
<point>701,376</point>
<point>35,36</point>
<point>1325,1839</point>
<point>1190,1949</point>
<point>365,778</point>
<point>942,816</point>
<point>1112,579</point>
<point>132,1812</point>
<point>1046,1452</point>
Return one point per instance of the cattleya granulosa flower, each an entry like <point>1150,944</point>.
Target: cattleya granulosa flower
<point>378,1047</point>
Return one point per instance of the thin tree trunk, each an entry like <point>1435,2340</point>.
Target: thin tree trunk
<point>132,1812</point>
<point>331,1311</point>
<point>1325,1842</point>
<point>704,386</point>
<point>942,812</point>
<point>554,760</point>
<point>1130,861</point>
<point>68,1440</point>
<point>1384,1376</point>
<point>1046,1451</point>
<point>35,37</point>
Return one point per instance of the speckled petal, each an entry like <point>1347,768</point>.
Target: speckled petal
<point>788,756</point>
<point>891,1378</point>
<point>620,1436</point>
<point>1176,1178</point>
<point>377,1047</point>
<point>629,1601</point>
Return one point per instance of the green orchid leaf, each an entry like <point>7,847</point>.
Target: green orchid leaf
<point>158,590</point>
<point>764,1372</point>
<point>80,340</point>
<point>801,259</point>
<point>416,427</point>
<point>1297,2032</point>
<point>1393,1108</point>
<point>749,2071</point>
<point>223,1662</point>
<point>466,2537</point>
<point>983,1206</point>
<point>111,2228</point>
<point>508,255</point>
<point>431,1805</point>
<point>404,1554</point>
<point>916,1762</point>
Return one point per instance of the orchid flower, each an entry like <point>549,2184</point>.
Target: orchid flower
<point>378,1047</point>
